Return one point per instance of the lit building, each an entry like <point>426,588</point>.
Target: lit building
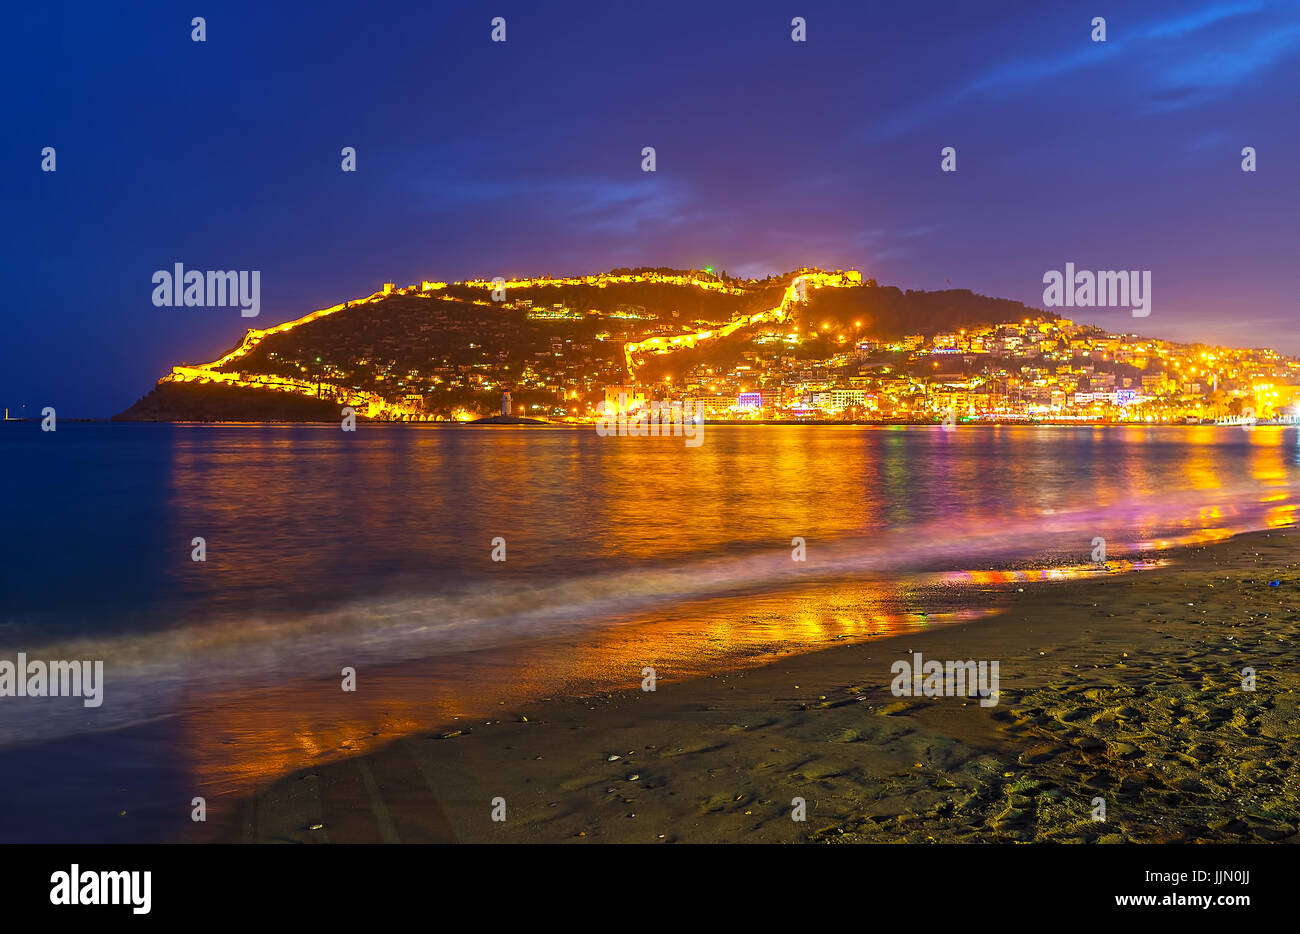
<point>619,400</point>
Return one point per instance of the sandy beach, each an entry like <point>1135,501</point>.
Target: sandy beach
<point>1127,688</point>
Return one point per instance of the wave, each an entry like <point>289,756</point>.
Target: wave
<point>148,674</point>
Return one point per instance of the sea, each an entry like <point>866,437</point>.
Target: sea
<point>454,573</point>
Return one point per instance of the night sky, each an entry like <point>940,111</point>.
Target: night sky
<point>521,158</point>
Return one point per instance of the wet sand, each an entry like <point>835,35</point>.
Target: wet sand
<point>1126,688</point>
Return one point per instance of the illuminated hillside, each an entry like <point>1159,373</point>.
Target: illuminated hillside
<point>448,350</point>
<point>807,344</point>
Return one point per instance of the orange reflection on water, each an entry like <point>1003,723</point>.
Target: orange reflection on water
<point>303,515</point>
<point>1280,516</point>
<point>235,742</point>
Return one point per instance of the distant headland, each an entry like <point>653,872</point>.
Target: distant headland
<point>810,345</point>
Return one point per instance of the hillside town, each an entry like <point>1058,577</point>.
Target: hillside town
<point>571,349</point>
<point>1054,370</point>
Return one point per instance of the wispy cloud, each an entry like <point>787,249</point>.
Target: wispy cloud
<point>1198,75</point>
<point>1212,73</point>
<point>592,204</point>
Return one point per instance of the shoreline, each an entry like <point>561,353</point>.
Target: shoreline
<point>489,422</point>
<point>1126,688</point>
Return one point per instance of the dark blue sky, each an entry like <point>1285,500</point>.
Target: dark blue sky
<point>483,159</point>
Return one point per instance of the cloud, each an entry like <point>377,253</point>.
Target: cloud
<point>1212,73</point>
<point>591,205</point>
<point>1205,74</point>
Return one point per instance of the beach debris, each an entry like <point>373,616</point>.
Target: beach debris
<point>315,826</point>
<point>613,758</point>
<point>451,733</point>
<point>633,777</point>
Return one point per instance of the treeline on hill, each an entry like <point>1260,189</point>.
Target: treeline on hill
<point>835,319</point>
<point>214,402</point>
<point>888,313</point>
<point>658,299</point>
<point>410,331</point>
<point>721,354</point>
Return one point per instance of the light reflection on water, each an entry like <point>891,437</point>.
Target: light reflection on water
<point>372,550</point>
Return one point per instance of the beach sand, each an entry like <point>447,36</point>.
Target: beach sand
<point>1126,688</point>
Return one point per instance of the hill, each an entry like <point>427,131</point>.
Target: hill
<point>449,350</point>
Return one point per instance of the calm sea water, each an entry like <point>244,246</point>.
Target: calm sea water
<point>373,550</point>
